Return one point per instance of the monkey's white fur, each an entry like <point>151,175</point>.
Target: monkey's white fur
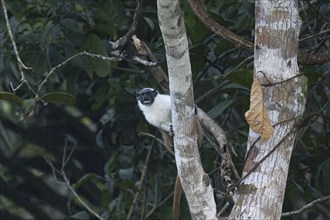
<point>159,112</point>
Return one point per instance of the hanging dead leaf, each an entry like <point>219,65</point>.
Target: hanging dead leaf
<point>257,115</point>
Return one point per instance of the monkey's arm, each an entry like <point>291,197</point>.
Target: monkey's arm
<point>166,126</point>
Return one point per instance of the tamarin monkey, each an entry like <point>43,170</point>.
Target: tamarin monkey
<point>156,109</point>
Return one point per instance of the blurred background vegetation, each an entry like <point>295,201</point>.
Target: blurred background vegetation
<point>90,136</point>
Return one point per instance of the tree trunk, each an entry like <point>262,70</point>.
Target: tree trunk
<point>277,27</point>
<point>195,182</point>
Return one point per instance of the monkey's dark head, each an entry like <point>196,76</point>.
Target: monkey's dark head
<point>146,96</point>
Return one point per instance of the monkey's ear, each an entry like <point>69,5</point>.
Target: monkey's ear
<point>154,92</point>
<point>136,92</point>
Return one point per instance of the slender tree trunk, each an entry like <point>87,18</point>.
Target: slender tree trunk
<point>195,182</point>
<point>277,28</point>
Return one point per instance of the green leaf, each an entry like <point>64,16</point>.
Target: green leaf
<point>322,176</point>
<point>236,86</point>
<point>83,215</point>
<point>219,108</point>
<point>61,98</point>
<point>11,97</point>
<point>243,77</point>
<point>28,104</point>
<point>83,180</point>
<point>91,65</point>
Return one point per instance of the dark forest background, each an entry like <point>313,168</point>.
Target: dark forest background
<point>85,133</point>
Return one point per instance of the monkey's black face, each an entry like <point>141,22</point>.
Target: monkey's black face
<point>146,96</point>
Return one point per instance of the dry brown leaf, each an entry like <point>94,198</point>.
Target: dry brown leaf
<point>257,115</point>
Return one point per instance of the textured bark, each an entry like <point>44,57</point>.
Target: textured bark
<point>277,27</point>
<point>195,182</point>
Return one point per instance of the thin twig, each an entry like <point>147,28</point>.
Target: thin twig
<point>84,53</point>
<point>313,35</point>
<point>73,191</point>
<point>66,182</point>
<point>152,136</point>
<point>235,185</point>
<point>144,199</point>
<point>143,176</point>
<point>144,62</point>
<point>281,82</point>
<point>223,209</point>
<point>264,158</point>
<point>236,67</point>
<point>157,139</point>
<point>282,122</point>
<point>155,199</point>
<point>318,11</point>
<point>65,159</point>
<point>308,206</point>
<point>20,63</point>
<point>159,205</point>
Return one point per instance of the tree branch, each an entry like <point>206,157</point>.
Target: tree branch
<point>121,42</point>
<point>239,42</point>
<point>314,59</point>
<point>227,165</point>
<point>218,29</point>
<point>21,65</point>
<point>156,71</point>
<point>160,76</point>
<point>20,62</point>
<point>308,206</point>
<point>195,182</point>
<point>162,79</point>
<point>84,53</point>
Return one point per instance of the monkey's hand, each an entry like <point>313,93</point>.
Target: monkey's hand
<point>167,127</point>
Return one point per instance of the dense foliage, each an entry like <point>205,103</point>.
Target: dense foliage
<point>86,132</point>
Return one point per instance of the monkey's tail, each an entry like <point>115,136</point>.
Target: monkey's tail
<point>177,199</point>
